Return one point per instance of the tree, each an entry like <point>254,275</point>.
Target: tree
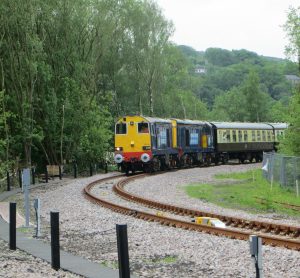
<point>291,143</point>
<point>293,33</point>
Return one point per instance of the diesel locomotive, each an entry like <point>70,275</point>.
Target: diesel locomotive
<point>150,144</point>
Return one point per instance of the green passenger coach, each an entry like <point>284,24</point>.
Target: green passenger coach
<point>243,141</point>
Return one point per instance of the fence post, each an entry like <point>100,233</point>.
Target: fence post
<point>297,188</point>
<point>55,252</point>
<point>60,172</point>
<point>20,178</point>
<point>46,175</point>
<point>8,181</point>
<point>75,170</point>
<point>91,169</point>
<point>37,207</point>
<point>123,256</point>
<point>12,226</point>
<point>33,175</point>
<point>106,168</point>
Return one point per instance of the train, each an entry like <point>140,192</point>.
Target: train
<point>151,144</point>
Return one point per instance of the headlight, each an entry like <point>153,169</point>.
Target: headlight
<point>119,149</point>
<point>118,158</point>
<point>145,157</point>
<point>145,148</point>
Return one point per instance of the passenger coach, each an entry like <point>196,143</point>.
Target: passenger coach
<point>243,141</point>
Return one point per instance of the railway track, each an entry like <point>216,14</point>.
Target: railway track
<point>168,221</point>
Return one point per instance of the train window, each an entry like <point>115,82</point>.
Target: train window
<point>234,136</point>
<point>143,128</point>
<point>121,128</point>
<point>258,135</point>
<point>194,138</point>
<point>161,137</point>
<point>220,136</point>
<point>228,136</point>
<point>269,136</point>
<point>240,136</point>
<point>245,135</point>
<point>264,136</point>
<point>253,136</point>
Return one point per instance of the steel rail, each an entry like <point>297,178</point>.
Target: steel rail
<point>230,221</point>
<point>234,234</point>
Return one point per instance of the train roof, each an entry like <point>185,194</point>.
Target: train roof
<point>236,125</point>
<point>279,125</point>
<point>156,120</point>
<point>191,122</point>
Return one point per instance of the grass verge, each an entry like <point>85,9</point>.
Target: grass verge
<point>241,190</point>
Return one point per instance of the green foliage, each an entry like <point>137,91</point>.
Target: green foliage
<point>239,191</point>
<point>290,144</point>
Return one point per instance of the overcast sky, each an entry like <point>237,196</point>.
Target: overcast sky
<point>254,25</point>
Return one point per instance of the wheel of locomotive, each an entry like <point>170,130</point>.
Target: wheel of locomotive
<point>216,160</point>
<point>156,164</point>
<point>208,161</point>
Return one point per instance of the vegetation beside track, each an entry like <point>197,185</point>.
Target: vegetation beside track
<point>240,191</point>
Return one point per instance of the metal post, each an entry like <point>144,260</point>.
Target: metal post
<point>20,178</point>
<point>33,175</point>
<point>297,188</point>
<point>60,172</point>
<point>37,207</point>
<point>26,184</point>
<point>12,226</point>
<point>75,170</point>
<point>256,254</point>
<point>55,252</point>
<point>123,256</point>
<point>91,170</point>
<point>8,181</point>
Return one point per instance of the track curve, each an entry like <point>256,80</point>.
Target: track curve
<point>119,189</point>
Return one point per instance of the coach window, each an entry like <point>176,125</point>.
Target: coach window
<point>269,135</point>
<point>253,136</point>
<point>264,136</point>
<point>228,136</point>
<point>245,135</point>
<point>258,135</point>
<point>234,136</point>
<point>121,128</point>
<point>143,128</point>
<point>187,137</point>
<point>240,136</point>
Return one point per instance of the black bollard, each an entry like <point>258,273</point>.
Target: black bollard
<point>123,257</point>
<point>106,168</point>
<point>55,252</point>
<point>60,172</point>
<point>20,178</point>
<point>12,226</point>
<point>75,170</point>
<point>46,175</point>
<point>33,175</point>
<point>8,181</point>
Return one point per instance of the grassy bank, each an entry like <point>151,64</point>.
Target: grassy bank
<point>240,191</point>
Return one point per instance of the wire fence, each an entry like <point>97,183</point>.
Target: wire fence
<point>282,169</point>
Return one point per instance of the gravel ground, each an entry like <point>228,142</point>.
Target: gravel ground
<point>17,263</point>
<point>155,250</point>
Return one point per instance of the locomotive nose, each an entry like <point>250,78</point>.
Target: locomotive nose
<point>118,158</point>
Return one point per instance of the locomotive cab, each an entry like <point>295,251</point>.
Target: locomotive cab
<point>139,141</point>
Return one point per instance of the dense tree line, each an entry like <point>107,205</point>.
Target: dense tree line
<point>69,68</point>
